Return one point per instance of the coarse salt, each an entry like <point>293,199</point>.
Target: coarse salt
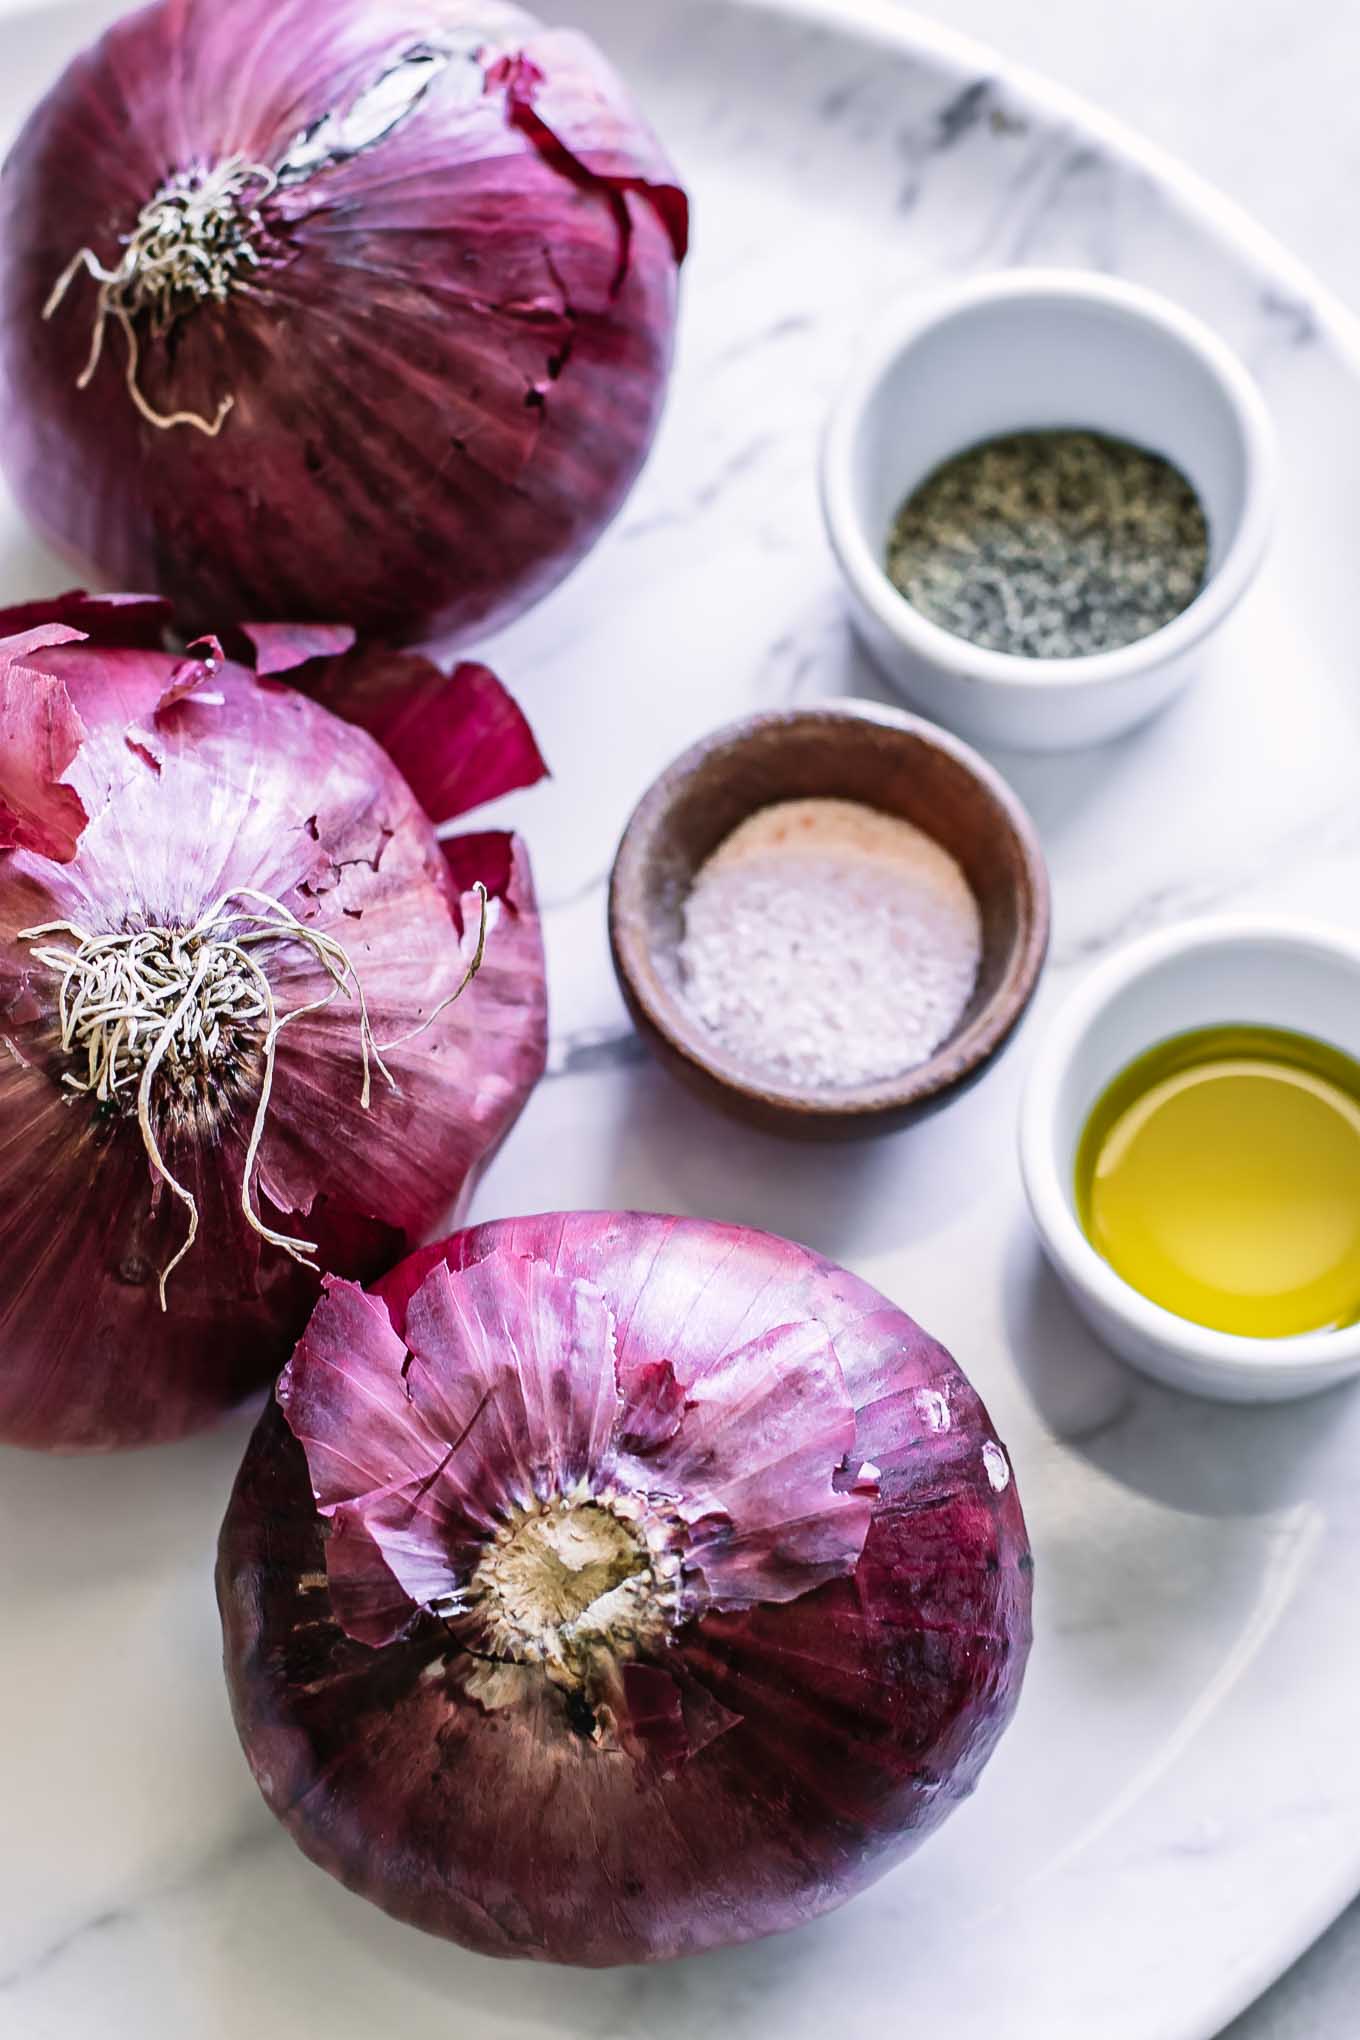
<point>828,944</point>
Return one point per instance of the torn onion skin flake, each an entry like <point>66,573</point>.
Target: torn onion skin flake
<point>233,1049</point>
<point>388,310</point>
<point>608,1587</point>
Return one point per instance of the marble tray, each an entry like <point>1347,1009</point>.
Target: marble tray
<point>1177,1808</point>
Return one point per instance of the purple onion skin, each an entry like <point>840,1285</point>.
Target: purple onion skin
<point>241,782</point>
<point>856,1715</point>
<point>447,368</point>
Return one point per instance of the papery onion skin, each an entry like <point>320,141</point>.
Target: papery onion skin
<point>778,1755</point>
<point>446,365</point>
<point>176,780</point>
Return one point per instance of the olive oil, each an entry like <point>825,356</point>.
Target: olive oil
<point>1220,1175</point>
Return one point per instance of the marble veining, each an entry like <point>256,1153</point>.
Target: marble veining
<point>1178,1781</point>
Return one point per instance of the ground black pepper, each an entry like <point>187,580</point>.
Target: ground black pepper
<point>1051,544</point>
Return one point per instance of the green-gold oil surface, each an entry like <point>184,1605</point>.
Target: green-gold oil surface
<point>1219,1175</point>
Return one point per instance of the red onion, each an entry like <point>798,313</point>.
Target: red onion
<point>232,1046</point>
<point>308,296</point>
<point>607,1587</point>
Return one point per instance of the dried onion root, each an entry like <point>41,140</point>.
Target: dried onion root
<point>157,1002</point>
<point>191,243</point>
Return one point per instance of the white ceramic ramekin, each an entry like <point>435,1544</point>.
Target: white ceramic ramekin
<point>1266,973</point>
<point>1027,349</point>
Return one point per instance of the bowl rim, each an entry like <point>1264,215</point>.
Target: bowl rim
<point>1060,1232</point>
<point>957,1058</point>
<point>859,564</point>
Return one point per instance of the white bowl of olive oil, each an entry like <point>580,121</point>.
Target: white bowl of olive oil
<point>1190,1145</point>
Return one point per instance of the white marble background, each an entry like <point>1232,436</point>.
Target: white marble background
<point>1258,95</point>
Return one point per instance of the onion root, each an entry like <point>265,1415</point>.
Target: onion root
<point>191,240</point>
<point>190,1003</point>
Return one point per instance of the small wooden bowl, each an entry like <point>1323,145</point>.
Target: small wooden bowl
<point>853,751</point>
